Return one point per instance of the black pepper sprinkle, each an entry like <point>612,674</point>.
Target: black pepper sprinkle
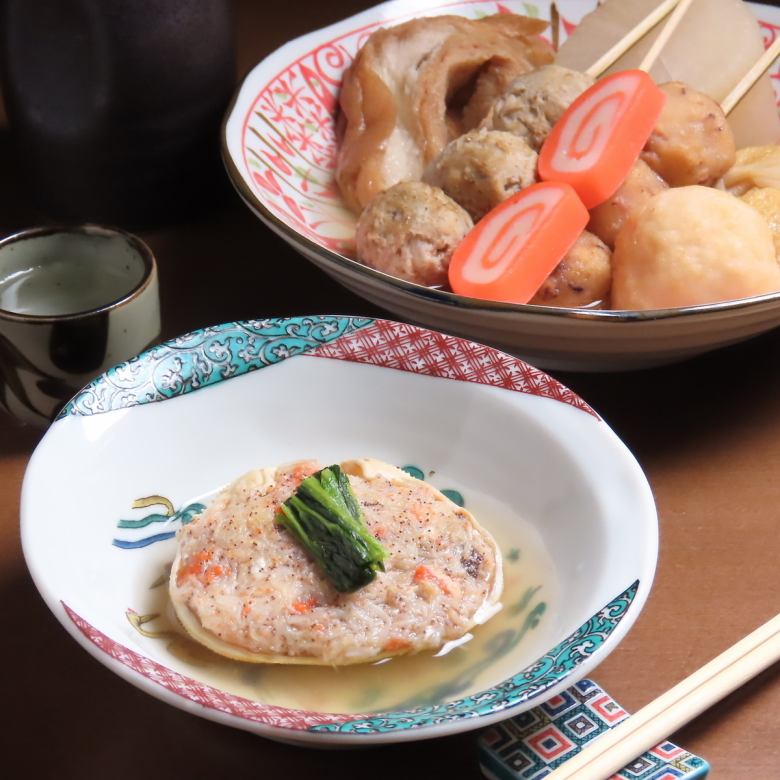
<point>472,562</point>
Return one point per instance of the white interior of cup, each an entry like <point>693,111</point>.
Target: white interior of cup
<point>52,274</point>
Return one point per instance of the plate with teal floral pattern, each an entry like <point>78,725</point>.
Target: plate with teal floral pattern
<point>142,450</point>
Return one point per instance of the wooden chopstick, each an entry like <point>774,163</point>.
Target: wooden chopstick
<point>751,77</point>
<point>666,33</point>
<point>673,709</point>
<point>612,54</point>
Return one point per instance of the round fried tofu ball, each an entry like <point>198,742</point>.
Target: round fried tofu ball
<point>640,185</point>
<point>582,278</point>
<point>692,245</point>
<point>692,142</point>
<point>766,201</point>
<point>482,168</point>
<point>410,231</point>
<point>535,101</point>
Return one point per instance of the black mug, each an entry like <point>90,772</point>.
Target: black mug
<point>115,105</point>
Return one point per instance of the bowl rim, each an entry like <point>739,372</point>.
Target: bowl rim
<point>622,611</point>
<point>84,230</point>
<point>432,294</point>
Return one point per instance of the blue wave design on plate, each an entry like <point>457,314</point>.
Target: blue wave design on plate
<point>124,544</point>
<point>205,357</point>
<point>548,671</point>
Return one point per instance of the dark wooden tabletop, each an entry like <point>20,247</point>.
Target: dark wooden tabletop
<point>707,432</point>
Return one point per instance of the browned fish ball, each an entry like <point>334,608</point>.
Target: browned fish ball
<point>640,185</point>
<point>410,231</point>
<point>692,142</point>
<point>535,101</point>
<point>582,278</point>
<point>482,168</point>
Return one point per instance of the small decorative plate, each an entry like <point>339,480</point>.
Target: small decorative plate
<point>141,450</point>
<point>279,148</point>
<point>534,744</point>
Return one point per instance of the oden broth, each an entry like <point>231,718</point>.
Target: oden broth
<point>497,649</point>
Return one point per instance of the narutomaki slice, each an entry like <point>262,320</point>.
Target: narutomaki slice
<point>243,586</point>
<point>596,142</point>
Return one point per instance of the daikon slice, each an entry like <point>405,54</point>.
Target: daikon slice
<point>714,45</point>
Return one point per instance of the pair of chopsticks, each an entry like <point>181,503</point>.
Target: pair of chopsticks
<point>656,721</point>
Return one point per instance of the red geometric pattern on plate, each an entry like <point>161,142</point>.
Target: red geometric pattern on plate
<point>421,351</point>
<point>198,692</point>
<point>288,135</point>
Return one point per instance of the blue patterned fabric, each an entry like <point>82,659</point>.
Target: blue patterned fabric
<point>531,745</point>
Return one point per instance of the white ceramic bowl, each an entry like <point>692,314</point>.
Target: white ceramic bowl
<point>279,148</point>
<point>140,449</point>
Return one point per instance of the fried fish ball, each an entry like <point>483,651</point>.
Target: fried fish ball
<point>692,142</point>
<point>535,101</point>
<point>583,277</point>
<point>410,231</point>
<point>692,245</point>
<point>482,168</point>
<point>640,185</point>
<point>766,201</point>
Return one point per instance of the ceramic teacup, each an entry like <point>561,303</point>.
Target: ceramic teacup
<point>73,302</point>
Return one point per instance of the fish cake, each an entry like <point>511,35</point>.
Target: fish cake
<point>244,587</point>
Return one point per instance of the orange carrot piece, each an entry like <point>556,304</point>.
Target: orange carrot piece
<point>395,643</point>
<point>194,566</point>
<point>212,574</point>
<point>516,245</point>
<point>423,574</point>
<point>305,606</point>
<point>598,139</point>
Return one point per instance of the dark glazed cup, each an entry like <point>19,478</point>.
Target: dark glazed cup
<point>115,106</point>
<point>73,302</point>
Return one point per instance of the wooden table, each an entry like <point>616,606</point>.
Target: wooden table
<point>707,433</point>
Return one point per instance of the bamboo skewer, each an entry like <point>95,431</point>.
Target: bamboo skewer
<point>673,709</point>
<point>661,41</point>
<point>751,77</point>
<point>659,13</point>
<point>555,25</point>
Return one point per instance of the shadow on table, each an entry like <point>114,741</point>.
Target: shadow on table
<point>697,405</point>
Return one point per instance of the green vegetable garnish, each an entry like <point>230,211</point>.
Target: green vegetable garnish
<point>325,518</point>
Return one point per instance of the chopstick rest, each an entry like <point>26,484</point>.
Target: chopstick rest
<point>532,744</point>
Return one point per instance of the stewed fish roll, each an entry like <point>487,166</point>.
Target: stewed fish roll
<point>483,168</point>
<point>641,184</point>
<point>535,101</point>
<point>692,142</point>
<point>582,278</point>
<point>410,231</point>
<point>243,584</point>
